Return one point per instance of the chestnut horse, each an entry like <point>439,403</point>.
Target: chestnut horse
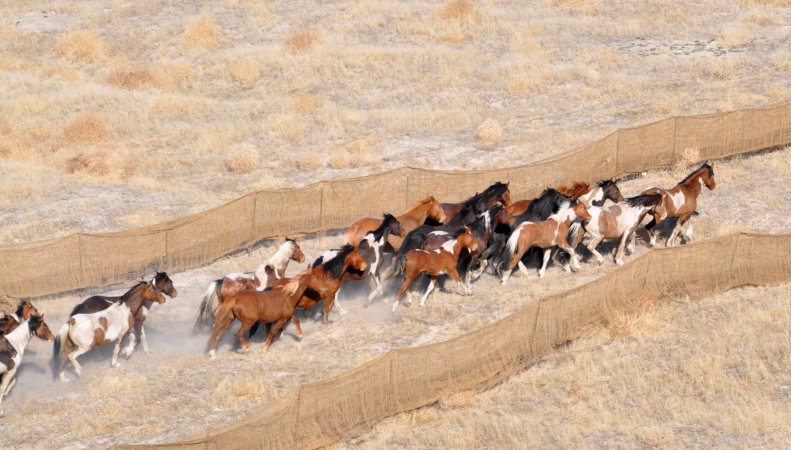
<point>24,310</point>
<point>434,263</point>
<point>328,269</point>
<point>619,221</point>
<point>480,202</point>
<point>272,306</point>
<point>546,235</point>
<point>680,202</point>
<point>99,302</point>
<point>12,348</point>
<point>273,268</point>
<point>82,332</point>
<point>409,220</point>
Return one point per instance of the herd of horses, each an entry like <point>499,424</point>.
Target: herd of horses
<point>431,239</point>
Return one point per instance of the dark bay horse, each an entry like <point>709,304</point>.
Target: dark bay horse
<point>329,269</point>
<point>680,202</point>
<point>480,202</point>
<point>98,303</point>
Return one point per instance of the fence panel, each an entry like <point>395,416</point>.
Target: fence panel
<point>646,147</point>
<point>108,258</point>
<point>346,201</point>
<point>41,268</point>
<point>289,211</point>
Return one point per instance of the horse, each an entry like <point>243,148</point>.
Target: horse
<point>545,235</point>
<point>98,303</point>
<point>82,332</point>
<point>371,248</point>
<point>482,230</point>
<point>12,348</point>
<point>604,190</point>
<point>414,217</point>
<point>273,268</point>
<point>329,269</point>
<point>275,306</point>
<point>24,311</point>
<point>681,202</point>
<point>480,202</point>
<point>434,263</point>
<point>619,221</point>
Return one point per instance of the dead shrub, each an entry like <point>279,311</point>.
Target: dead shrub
<point>458,10</point>
<point>306,104</point>
<point>287,126</point>
<point>361,147</point>
<point>489,133</point>
<point>302,41</point>
<point>91,164</point>
<point>242,159</point>
<point>308,161</point>
<point>244,71</point>
<point>339,159</point>
<point>130,79</point>
<point>82,45</point>
<point>684,160</point>
<point>201,33</point>
<point>86,128</point>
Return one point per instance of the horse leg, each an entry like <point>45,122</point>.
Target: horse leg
<point>130,345</point>
<point>686,234</point>
<point>142,332</point>
<point>73,358</point>
<point>7,385</point>
<point>671,240</point>
<point>337,305</point>
<point>272,332</point>
<point>298,325</point>
<point>328,304</point>
<point>653,232</point>
<point>484,264</point>
<point>592,244</point>
<point>455,275</point>
<point>246,324</point>
<point>516,259</point>
<point>378,286</point>
<point>428,291</point>
<point>221,325</point>
<point>543,269</point>
<point>118,341</point>
<point>575,264</point>
<point>404,289</point>
<point>620,250</point>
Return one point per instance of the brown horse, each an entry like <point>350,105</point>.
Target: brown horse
<point>275,306</point>
<point>591,196</point>
<point>409,220</point>
<point>12,348</point>
<point>434,263</point>
<point>545,235</point>
<point>272,269</point>
<point>24,311</point>
<point>96,303</point>
<point>329,269</point>
<point>681,202</point>
<point>480,202</point>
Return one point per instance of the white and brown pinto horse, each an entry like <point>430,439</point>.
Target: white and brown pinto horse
<point>434,263</point>
<point>83,332</point>
<point>619,221</point>
<point>428,208</point>
<point>12,348</point>
<point>547,235</point>
<point>590,195</point>
<point>681,202</point>
<point>274,268</point>
<point>372,248</point>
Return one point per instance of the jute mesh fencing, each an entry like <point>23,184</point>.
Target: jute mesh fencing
<point>321,413</point>
<point>100,259</point>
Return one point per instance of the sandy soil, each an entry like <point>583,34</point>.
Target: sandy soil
<point>177,391</point>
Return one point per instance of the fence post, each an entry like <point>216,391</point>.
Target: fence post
<point>675,152</point>
<point>252,222</point>
<point>618,168</point>
<point>82,266</point>
<point>166,257</point>
<point>321,215</point>
<point>406,191</point>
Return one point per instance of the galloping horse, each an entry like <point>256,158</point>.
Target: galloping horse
<point>414,217</point>
<point>12,348</point>
<point>480,202</point>
<point>328,269</point>
<point>680,202</point>
<point>545,235</point>
<point>371,248</point>
<point>604,190</point>
<point>99,303</point>
<point>273,268</point>
<point>82,332</point>
<point>24,311</point>
<point>434,263</point>
<point>619,221</point>
<point>275,306</point>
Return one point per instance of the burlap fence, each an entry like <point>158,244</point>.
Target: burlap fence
<point>321,413</point>
<point>100,259</point>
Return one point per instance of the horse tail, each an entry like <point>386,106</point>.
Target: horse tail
<point>207,307</point>
<point>509,250</point>
<point>574,231</point>
<point>400,264</point>
<point>59,350</point>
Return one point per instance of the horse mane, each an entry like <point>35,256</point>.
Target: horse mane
<point>128,294</point>
<point>575,191</point>
<point>387,220</point>
<point>604,184</point>
<point>644,200</point>
<point>545,205</point>
<point>695,172</point>
<point>335,265</point>
<point>291,287</point>
<point>495,189</point>
<point>21,307</point>
<point>459,232</point>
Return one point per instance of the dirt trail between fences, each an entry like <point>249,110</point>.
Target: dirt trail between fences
<point>176,391</point>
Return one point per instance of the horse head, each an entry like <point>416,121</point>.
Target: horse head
<point>435,211</point>
<point>580,210</point>
<point>297,254</point>
<point>611,191</point>
<point>25,309</point>
<point>152,294</point>
<point>39,328</point>
<point>502,217</point>
<point>505,197</point>
<point>163,282</point>
<point>708,176</point>
<point>394,227</point>
<point>355,261</point>
<point>466,239</point>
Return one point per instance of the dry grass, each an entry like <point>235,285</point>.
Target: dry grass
<point>242,159</point>
<point>82,45</point>
<point>489,133</point>
<point>131,78</point>
<point>85,128</point>
<point>302,41</point>
<point>202,33</point>
<point>244,71</point>
<point>339,159</point>
<point>308,161</point>
<point>306,104</point>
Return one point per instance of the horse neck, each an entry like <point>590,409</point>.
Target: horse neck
<point>457,248</point>
<point>594,195</point>
<point>281,256</point>
<point>20,336</point>
<point>694,183</point>
<point>294,299</point>
<point>135,299</point>
<point>417,213</point>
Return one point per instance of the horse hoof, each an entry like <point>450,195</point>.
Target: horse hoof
<point>619,262</point>
<point>63,379</point>
<point>148,350</point>
<point>114,366</point>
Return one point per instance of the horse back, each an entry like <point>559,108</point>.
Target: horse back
<point>358,230</point>
<point>93,304</point>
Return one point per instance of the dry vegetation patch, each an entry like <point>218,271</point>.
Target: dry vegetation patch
<point>85,128</point>
<point>242,159</point>
<point>302,41</point>
<point>202,33</point>
<point>82,45</point>
<point>489,133</point>
<point>132,78</point>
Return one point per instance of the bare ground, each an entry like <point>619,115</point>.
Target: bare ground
<point>177,391</point>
